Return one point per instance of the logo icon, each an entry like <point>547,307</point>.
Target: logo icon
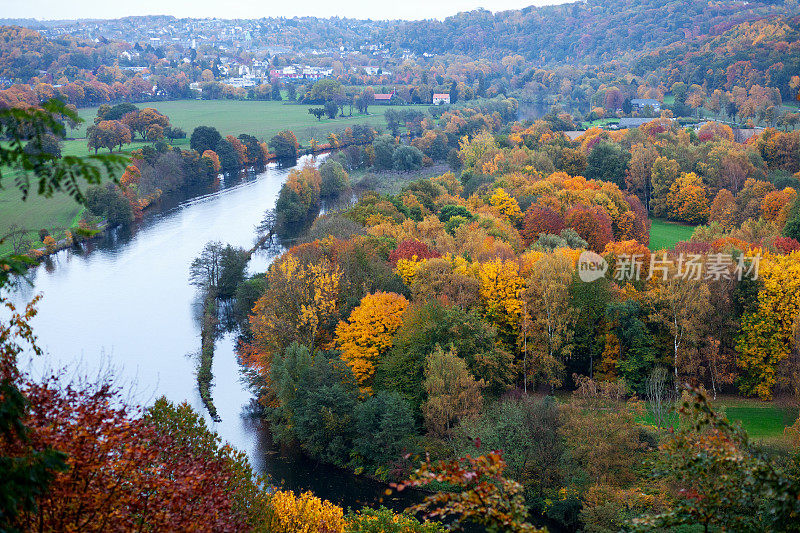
<point>591,266</point>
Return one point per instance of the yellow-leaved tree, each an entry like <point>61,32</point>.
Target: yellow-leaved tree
<point>770,333</point>
<point>506,205</point>
<point>500,285</point>
<point>298,300</point>
<point>687,201</point>
<point>305,513</point>
<point>368,332</point>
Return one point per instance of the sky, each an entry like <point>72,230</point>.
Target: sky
<point>373,9</point>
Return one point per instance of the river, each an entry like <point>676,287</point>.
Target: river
<point>124,304</point>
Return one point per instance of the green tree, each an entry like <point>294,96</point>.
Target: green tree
<point>431,324</point>
<point>384,428</point>
<point>318,112</point>
<point>228,159</point>
<point>283,147</point>
<point>334,179</point>
<point>608,162</point>
<point>662,175</point>
<point>636,358</point>
<point>527,430</point>
<point>384,147</point>
<point>316,403</point>
<point>453,393</point>
<point>792,227</point>
<point>107,201</point>
<point>325,90</point>
<point>407,158</point>
<point>204,138</point>
<point>331,109</point>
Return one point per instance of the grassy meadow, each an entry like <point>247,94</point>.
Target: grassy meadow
<point>664,235</point>
<point>257,118</point>
<point>763,421</point>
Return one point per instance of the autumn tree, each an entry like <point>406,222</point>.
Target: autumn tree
<point>500,285</point>
<point>546,324</point>
<point>284,145</point>
<point>29,464</point>
<point>367,334</point>
<point>240,149</point>
<point>143,120</point>
<point>776,205</point>
<point>506,205</point>
<point>299,197</point>
<point>664,173</point>
<point>412,249</point>
<point>714,130</point>
<point>452,392</point>
<point>481,493</point>
<point>687,200</point>
<point>299,301</point>
<point>593,225</point>
<point>717,477</point>
<point>164,480</point>
<point>108,134</point>
<point>640,170</point>
<point>541,219</point>
<point>213,159</point>
<point>751,198</point>
<point>724,210</point>
<point>768,335</point>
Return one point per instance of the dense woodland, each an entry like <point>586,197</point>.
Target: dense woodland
<point>419,319</point>
<point>438,332</point>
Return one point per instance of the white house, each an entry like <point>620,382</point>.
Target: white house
<point>441,98</point>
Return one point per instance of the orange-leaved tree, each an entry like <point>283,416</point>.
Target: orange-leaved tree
<point>368,332</point>
<point>687,200</point>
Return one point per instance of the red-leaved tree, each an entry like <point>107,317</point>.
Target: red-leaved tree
<point>593,225</point>
<point>541,219</point>
<point>410,248</point>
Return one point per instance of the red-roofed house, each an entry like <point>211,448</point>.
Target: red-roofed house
<point>441,98</point>
<point>383,98</point>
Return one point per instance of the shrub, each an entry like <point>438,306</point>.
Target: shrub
<point>334,179</point>
<point>407,158</point>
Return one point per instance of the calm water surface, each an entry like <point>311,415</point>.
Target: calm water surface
<point>125,304</point>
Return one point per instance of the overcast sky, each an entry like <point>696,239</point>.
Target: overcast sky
<point>374,9</point>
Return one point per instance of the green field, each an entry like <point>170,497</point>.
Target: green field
<point>664,235</point>
<point>600,122</point>
<point>53,214</point>
<point>763,421</point>
<point>260,119</point>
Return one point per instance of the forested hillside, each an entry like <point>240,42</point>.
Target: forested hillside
<point>597,30</point>
<point>765,52</point>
